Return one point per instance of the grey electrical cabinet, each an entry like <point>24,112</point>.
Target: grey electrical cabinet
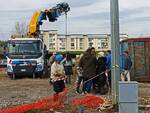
<point>128,97</point>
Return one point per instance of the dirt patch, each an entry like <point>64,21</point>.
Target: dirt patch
<point>15,92</point>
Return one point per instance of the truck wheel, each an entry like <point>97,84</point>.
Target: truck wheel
<point>45,74</point>
<point>42,75</point>
<point>12,76</point>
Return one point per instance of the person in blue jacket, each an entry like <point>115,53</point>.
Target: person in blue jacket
<point>125,75</point>
<point>108,67</point>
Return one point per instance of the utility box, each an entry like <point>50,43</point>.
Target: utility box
<point>128,97</point>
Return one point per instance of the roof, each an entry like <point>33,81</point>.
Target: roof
<point>25,39</point>
<point>82,35</point>
<point>143,39</point>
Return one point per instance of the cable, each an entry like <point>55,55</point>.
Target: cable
<point>74,86</point>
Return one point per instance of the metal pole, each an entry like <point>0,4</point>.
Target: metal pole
<point>115,47</point>
<point>66,28</point>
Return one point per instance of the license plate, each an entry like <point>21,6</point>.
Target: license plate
<point>23,70</point>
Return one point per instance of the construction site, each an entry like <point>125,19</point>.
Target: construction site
<point>44,71</point>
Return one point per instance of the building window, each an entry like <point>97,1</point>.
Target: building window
<point>81,44</point>
<point>99,47</point>
<point>81,39</point>
<point>50,40</point>
<point>81,47</point>
<point>104,44</point>
<point>62,40</point>
<point>73,48</point>
<point>90,40</point>
<point>51,35</point>
<point>72,39</point>
<point>72,44</point>
<point>42,35</point>
<point>62,48</point>
<point>90,44</point>
<point>52,48</point>
<point>51,44</point>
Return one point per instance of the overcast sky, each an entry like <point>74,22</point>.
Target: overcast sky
<point>85,16</point>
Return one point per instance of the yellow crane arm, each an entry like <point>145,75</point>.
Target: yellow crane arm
<point>52,15</point>
<point>33,23</point>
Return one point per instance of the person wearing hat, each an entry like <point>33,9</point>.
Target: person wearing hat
<point>100,81</point>
<point>58,75</point>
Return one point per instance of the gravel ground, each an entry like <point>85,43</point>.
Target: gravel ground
<point>23,91</point>
<point>26,90</point>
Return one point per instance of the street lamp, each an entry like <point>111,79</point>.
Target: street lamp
<point>66,28</point>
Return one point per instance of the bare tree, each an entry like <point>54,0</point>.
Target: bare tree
<point>21,28</point>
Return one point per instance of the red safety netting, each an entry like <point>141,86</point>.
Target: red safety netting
<point>52,102</point>
<point>89,101</point>
<point>56,102</point>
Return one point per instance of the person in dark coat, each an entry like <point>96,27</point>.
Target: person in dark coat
<point>127,67</point>
<point>88,63</point>
<point>100,81</point>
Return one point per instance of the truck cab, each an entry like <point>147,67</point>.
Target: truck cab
<point>26,56</point>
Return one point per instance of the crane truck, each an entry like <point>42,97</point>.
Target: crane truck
<point>27,54</point>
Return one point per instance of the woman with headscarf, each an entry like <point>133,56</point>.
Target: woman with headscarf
<point>58,75</point>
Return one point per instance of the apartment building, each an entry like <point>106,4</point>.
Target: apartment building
<point>76,42</point>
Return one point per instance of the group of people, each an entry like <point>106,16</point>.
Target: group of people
<point>94,68</point>
<point>93,71</point>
